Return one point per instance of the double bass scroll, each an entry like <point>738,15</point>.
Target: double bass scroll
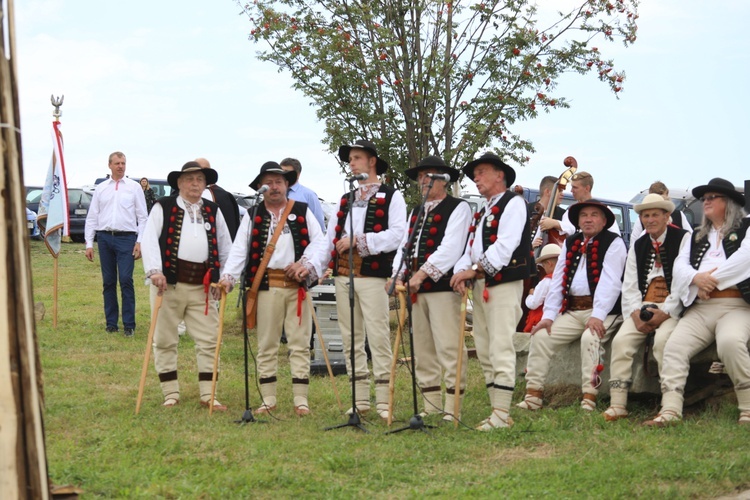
<point>553,235</point>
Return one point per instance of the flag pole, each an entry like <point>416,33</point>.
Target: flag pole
<point>56,114</point>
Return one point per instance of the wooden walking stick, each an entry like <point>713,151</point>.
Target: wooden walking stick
<point>218,348</point>
<point>325,352</point>
<point>149,341</point>
<point>459,367</point>
<point>392,381</point>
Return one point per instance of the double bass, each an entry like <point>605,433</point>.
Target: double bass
<point>553,235</point>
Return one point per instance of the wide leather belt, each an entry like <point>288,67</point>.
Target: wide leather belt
<point>343,268</point>
<point>580,302</point>
<point>191,273</point>
<point>657,291</point>
<point>277,279</point>
<point>723,294</point>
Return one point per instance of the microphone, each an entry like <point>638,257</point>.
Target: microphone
<point>263,189</point>
<point>442,177</point>
<point>358,177</point>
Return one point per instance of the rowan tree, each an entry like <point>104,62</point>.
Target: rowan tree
<point>451,78</point>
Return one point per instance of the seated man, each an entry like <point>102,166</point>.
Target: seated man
<point>650,303</point>
<point>582,303</point>
<point>713,275</point>
<point>677,219</point>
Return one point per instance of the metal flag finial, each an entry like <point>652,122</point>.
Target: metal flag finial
<point>57,102</point>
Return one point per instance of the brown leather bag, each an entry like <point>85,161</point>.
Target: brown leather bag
<point>252,294</point>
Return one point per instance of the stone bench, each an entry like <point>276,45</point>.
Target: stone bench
<point>565,367</point>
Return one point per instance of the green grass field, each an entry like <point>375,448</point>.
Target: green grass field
<point>96,442</point>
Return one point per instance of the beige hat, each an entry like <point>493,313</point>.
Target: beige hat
<point>549,251</point>
<point>654,200</point>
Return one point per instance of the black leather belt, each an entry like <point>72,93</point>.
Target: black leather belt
<point>118,233</point>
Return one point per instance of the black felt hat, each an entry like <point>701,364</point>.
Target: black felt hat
<point>192,166</point>
<point>271,167</point>
<point>382,166</point>
<point>721,186</point>
<point>493,159</point>
<point>432,162</point>
<point>575,210</point>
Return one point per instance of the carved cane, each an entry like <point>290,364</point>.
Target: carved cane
<point>219,335</point>
<point>392,381</point>
<point>459,364</point>
<point>149,341</point>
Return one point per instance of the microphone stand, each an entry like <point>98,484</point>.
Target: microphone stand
<point>354,419</point>
<point>247,416</point>
<point>416,423</point>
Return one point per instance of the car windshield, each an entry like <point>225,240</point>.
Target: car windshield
<point>75,195</point>
<point>34,196</point>
<point>78,196</point>
<point>679,203</point>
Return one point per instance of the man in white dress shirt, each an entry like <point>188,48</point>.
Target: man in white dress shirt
<point>650,302</point>
<point>116,218</point>
<point>583,302</point>
<point>378,216</point>
<point>295,262</point>
<point>185,242</point>
<point>581,185</point>
<point>439,243</point>
<point>497,259</point>
<point>714,271</point>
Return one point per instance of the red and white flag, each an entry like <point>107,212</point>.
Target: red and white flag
<point>53,217</point>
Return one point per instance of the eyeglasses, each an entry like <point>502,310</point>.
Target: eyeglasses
<point>711,197</point>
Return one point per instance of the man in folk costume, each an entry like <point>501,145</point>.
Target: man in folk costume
<point>678,218</point>
<point>185,241</point>
<point>496,260</point>
<point>379,218</point>
<point>582,303</point>
<point>714,271</point>
<point>650,302</point>
<point>281,262</point>
<point>440,242</point>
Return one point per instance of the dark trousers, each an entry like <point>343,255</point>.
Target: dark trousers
<point>116,258</point>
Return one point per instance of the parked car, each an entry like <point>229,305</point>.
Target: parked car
<point>685,202</point>
<point>78,206</point>
<point>32,225</point>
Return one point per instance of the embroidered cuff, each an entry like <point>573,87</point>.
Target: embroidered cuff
<point>151,272</point>
<point>361,242</point>
<point>487,266</point>
<point>312,276</point>
<point>431,271</point>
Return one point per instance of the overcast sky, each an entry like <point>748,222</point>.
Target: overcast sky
<point>166,81</point>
